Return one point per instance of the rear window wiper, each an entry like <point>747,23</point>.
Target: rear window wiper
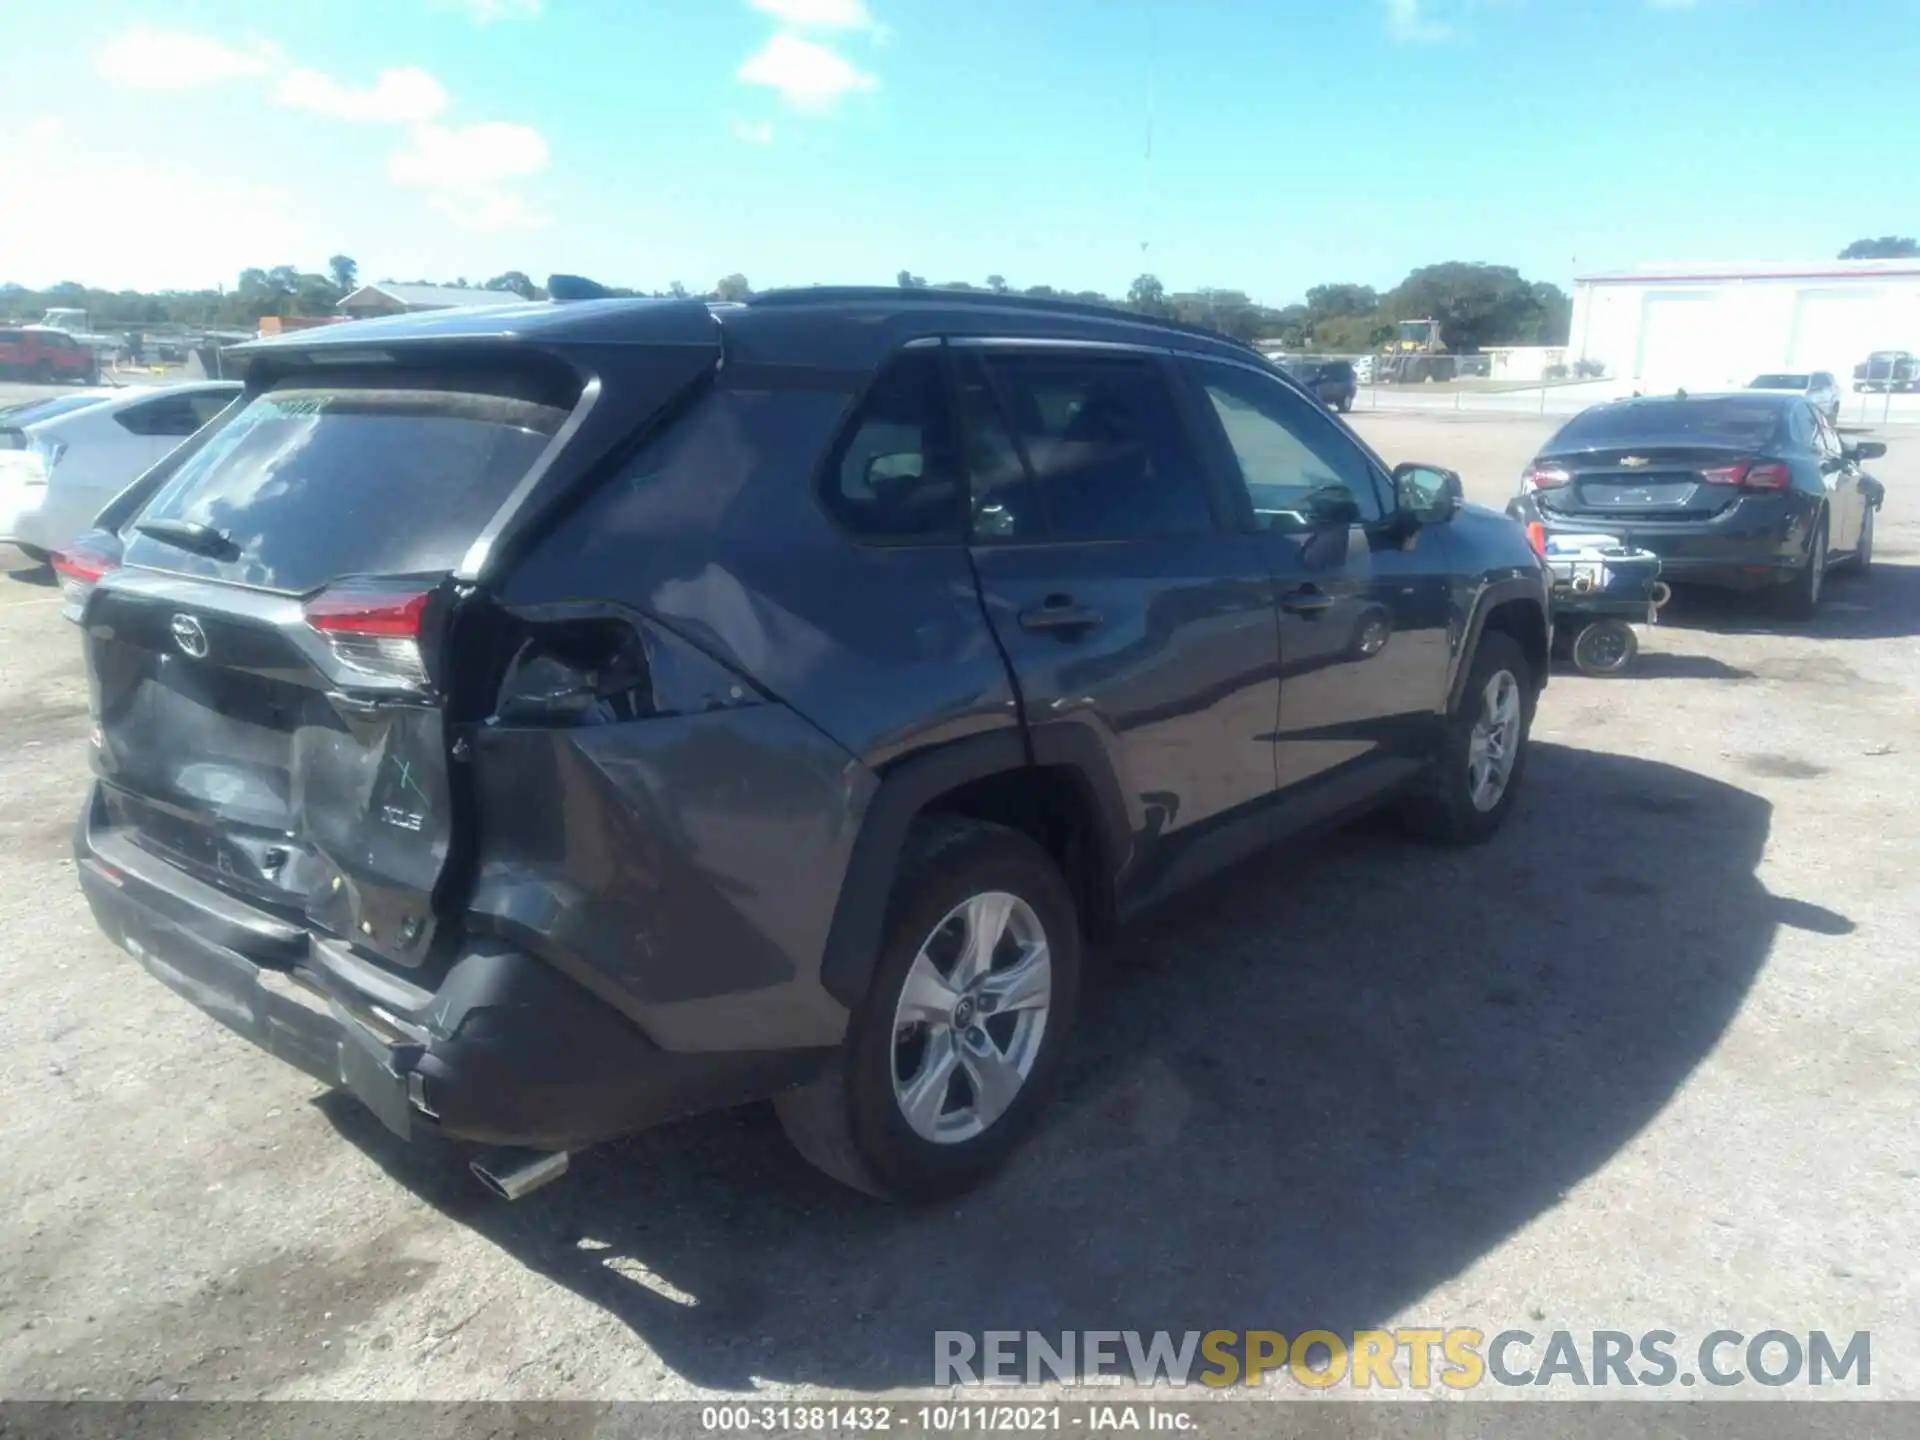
<point>191,535</point>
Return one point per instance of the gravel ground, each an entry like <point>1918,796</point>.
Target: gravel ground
<point>1646,1061</point>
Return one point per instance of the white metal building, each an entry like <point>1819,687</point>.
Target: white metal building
<point>1717,325</point>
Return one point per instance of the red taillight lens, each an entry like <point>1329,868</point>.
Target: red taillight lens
<point>1541,477</point>
<point>1537,537</point>
<point>368,612</point>
<point>1750,475</point>
<point>374,629</point>
<point>80,570</point>
<point>83,566</point>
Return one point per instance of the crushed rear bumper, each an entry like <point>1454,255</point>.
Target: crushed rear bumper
<point>503,1050</point>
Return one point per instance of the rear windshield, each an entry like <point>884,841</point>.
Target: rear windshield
<point>1780,382</point>
<point>1724,420</point>
<point>308,485</point>
<point>34,411</point>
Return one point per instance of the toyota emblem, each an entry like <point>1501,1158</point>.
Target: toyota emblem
<point>188,635</point>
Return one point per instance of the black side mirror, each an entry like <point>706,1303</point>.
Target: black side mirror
<point>1866,450</point>
<point>1426,494</point>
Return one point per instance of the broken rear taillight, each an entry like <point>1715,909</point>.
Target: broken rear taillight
<point>373,627</point>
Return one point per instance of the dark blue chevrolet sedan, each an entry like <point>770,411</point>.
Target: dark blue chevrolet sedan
<point>1744,491</point>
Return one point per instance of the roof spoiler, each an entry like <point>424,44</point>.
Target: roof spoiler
<point>576,287</point>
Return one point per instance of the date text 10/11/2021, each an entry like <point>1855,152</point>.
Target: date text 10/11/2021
<point>944,1419</point>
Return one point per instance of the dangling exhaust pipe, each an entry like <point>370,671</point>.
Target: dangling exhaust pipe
<point>511,1174</point>
<point>1660,594</point>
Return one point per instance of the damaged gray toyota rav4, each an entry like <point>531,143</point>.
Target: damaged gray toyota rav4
<point>546,721</point>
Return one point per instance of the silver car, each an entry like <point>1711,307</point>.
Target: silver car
<point>1819,386</point>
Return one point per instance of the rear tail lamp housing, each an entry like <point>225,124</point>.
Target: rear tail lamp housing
<point>602,669</point>
<point>1539,476</point>
<point>80,567</point>
<point>373,627</point>
<point>1751,475</point>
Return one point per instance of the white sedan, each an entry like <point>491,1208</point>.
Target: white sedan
<point>63,458</point>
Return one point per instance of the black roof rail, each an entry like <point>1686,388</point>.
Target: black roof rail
<point>986,299</point>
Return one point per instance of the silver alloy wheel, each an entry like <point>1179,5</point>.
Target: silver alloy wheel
<point>971,1016</point>
<point>1495,742</point>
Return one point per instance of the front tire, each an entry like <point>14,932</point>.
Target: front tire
<point>958,1042</point>
<point>1466,793</point>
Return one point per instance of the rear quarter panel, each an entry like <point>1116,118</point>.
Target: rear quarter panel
<point>690,869</point>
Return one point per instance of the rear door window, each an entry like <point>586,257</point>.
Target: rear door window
<point>1100,438</point>
<point>174,415</point>
<point>307,485</point>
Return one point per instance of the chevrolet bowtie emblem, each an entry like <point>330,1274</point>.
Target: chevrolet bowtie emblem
<point>1634,462</point>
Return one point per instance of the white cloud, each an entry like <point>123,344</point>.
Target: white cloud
<point>96,181</point>
<point>405,96</point>
<point>1410,23</point>
<point>464,170</point>
<point>147,59</point>
<point>818,14</point>
<point>808,75</point>
<point>753,132</point>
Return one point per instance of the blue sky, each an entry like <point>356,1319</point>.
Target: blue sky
<point>1292,141</point>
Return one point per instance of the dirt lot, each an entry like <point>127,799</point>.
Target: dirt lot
<point>1647,1061</point>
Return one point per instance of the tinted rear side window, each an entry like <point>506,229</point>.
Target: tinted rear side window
<point>1104,444</point>
<point>175,415</point>
<point>1717,421</point>
<point>312,484</point>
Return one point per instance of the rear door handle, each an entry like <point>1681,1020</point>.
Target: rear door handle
<point>1058,612</point>
<point>1306,601</point>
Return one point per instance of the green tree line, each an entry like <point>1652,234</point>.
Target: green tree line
<point>1476,304</point>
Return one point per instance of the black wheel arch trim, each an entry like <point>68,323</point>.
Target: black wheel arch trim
<point>1528,588</point>
<point>907,788</point>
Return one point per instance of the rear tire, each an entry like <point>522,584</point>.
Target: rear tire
<point>1451,805</point>
<point>882,1119</point>
<point>1800,599</point>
